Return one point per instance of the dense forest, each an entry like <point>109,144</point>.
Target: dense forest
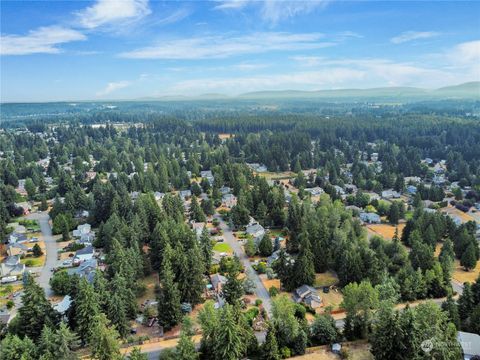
<point>153,152</point>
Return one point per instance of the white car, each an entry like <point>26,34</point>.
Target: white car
<point>68,262</point>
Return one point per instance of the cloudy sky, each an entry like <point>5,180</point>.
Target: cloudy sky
<point>127,49</point>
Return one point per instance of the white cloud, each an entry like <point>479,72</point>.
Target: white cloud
<point>212,47</point>
<point>41,40</point>
<point>307,61</point>
<point>231,4</point>
<point>274,11</point>
<point>107,12</point>
<point>413,35</point>
<point>467,53</point>
<point>176,16</point>
<point>113,86</point>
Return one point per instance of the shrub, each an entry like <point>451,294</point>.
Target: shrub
<point>273,291</point>
<point>258,302</point>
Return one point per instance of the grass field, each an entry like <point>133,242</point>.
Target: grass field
<point>325,279</point>
<point>459,274</point>
<point>277,175</point>
<point>386,231</point>
<point>462,276</point>
<point>332,299</point>
<point>457,213</point>
<point>33,261</point>
<point>222,247</point>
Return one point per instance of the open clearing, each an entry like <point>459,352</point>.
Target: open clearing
<point>325,279</point>
<point>386,231</point>
<point>450,210</point>
<point>462,276</point>
<point>276,175</point>
<point>222,247</point>
<point>459,274</point>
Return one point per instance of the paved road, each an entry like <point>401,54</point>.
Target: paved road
<point>457,287</point>
<point>260,291</point>
<point>50,251</point>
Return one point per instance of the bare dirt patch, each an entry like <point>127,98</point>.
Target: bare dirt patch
<point>386,231</point>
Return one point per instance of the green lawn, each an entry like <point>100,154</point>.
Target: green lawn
<point>222,247</point>
<point>325,279</point>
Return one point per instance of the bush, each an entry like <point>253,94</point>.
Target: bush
<point>62,283</point>
<point>29,263</point>
<point>10,304</point>
<point>261,268</point>
<point>258,302</point>
<point>250,315</point>
<point>273,291</point>
<point>285,352</point>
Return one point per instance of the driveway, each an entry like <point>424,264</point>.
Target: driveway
<point>260,290</point>
<point>50,251</point>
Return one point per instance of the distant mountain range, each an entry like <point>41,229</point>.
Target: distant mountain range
<point>470,90</point>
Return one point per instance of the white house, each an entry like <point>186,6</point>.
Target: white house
<point>84,254</point>
<point>229,200</point>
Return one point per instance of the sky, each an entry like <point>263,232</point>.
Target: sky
<point>133,49</point>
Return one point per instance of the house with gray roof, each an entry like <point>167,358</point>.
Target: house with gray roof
<point>470,344</point>
<point>307,295</point>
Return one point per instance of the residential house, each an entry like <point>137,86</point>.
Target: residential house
<point>198,228</point>
<point>315,191</point>
<point>11,266</point>
<point>185,194</point>
<point>370,218</point>
<point>257,167</point>
<point>84,254</point>
<point>372,195</point>
<point>86,270</point>
<point>16,237</point>
<point>84,234</point>
<point>340,191</point>
<point>63,306</point>
<point>411,189</point>
<point>207,175</point>
<point>439,180</point>
<point>374,157</point>
<point>229,200</point>
<point>218,281</point>
<point>256,230</point>
<point>224,190</point>
<point>390,194</point>
<point>470,344</point>
<point>307,295</point>
<point>17,249</point>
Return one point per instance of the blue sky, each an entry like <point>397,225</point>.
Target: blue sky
<point>127,49</point>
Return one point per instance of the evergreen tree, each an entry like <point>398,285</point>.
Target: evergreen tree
<point>451,308</point>
<point>270,346</point>
<point>136,354</point>
<point>169,312</point>
<point>13,347</point>
<point>196,212</point>
<point>233,288</point>
<point>394,213</point>
<point>469,258</point>
<point>104,340</point>
<point>66,342</point>
<point>186,347</point>
<point>229,343</point>
<point>36,311</point>
<point>206,248</point>
<point>265,247</point>
<point>303,269</point>
<point>87,309</point>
